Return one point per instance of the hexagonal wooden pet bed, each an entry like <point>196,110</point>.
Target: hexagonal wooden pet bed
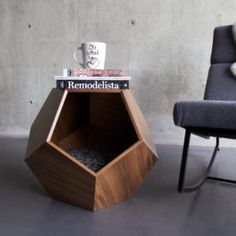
<point>104,120</point>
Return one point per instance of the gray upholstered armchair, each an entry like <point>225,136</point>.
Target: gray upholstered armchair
<point>216,114</point>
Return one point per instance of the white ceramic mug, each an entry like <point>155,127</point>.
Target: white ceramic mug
<point>93,55</point>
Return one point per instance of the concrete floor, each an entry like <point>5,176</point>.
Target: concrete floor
<point>156,209</point>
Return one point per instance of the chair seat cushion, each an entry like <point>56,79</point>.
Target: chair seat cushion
<point>206,114</point>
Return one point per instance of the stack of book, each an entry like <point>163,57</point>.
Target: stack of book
<point>93,79</point>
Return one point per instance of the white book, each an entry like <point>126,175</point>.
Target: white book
<point>59,77</point>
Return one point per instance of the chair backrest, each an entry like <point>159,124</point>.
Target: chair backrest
<point>221,83</point>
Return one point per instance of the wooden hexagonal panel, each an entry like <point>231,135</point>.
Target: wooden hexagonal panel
<point>91,123</point>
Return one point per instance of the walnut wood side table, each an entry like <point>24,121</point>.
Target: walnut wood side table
<point>102,119</point>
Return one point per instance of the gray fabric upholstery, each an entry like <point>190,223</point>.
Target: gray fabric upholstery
<point>223,49</point>
<point>221,83</point>
<point>234,32</point>
<point>218,109</point>
<point>206,114</point>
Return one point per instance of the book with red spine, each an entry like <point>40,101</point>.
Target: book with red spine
<point>97,73</point>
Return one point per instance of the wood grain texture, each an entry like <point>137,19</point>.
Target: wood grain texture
<point>138,120</point>
<point>122,179</point>
<point>107,120</point>
<point>43,121</point>
<point>62,178</point>
<point>94,120</point>
<point>73,114</point>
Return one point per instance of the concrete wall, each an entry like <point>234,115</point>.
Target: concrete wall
<point>164,45</point>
